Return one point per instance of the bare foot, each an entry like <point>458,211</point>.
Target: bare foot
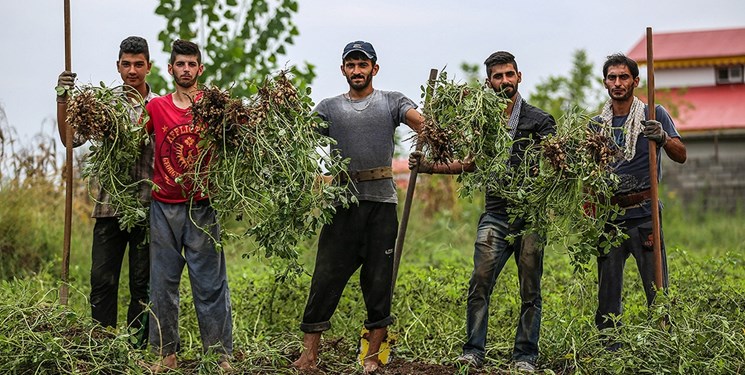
<point>165,364</point>
<point>305,363</point>
<point>371,365</point>
<point>225,366</point>
<point>309,358</point>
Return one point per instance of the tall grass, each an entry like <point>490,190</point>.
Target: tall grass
<point>32,213</point>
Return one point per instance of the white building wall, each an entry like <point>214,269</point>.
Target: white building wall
<point>689,77</point>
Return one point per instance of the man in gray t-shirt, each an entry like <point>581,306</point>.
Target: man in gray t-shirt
<point>362,121</point>
<point>363,129</point>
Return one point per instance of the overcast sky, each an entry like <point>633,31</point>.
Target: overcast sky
<point>410,37</point>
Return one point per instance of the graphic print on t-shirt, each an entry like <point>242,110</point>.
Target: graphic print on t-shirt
<point>178,153</point>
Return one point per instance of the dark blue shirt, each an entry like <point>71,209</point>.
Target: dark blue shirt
<point>634,173</point>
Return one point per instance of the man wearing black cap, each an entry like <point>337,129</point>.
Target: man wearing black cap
<point>362,121</point>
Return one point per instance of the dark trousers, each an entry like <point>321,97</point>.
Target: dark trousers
<point>109,245</point>
<point>611,265</point>
<point>365,236</point>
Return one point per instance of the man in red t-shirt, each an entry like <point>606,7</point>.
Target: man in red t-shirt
<point>183,226</point>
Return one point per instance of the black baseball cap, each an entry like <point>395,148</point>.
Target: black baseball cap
<point>361,46</point>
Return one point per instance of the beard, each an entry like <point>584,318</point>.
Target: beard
<point>622,97</point>
<point>359,86</point>
<point>507,90</point>
<point>185,83</point>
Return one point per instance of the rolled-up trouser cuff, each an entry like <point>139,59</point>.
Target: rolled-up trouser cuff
<point>315,327</point>
<point>385,322</point>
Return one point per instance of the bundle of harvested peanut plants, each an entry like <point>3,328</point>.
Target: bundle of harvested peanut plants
<point>561,186</point>
<point>266,159</point>
<point>466,122</point>
<point>107,118</point>
<point>563,189</point>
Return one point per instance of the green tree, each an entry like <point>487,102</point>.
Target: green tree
<point>581,88</point>
<point>241,40</point>
<point>473,72</point>
<point>672,100</point>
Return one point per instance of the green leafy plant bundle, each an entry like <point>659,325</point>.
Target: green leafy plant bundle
<point>266,159</point>
<point>566,178</point>
<point>466,122</point>
<point>563,188</point>
<point>106,116</point>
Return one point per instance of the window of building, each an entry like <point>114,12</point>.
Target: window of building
<point>729,74</point>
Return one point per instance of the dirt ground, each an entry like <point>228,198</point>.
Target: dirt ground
<point>401,367</point>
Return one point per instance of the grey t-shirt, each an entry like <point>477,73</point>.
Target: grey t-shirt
<point>363,130</point>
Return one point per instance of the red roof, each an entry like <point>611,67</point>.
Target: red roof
<point>706,108</point>
<point>691,45</point>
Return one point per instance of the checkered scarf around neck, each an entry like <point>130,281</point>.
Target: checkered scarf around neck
<point>631,128</point>
<point>515,115</point>
<point>514,119</point>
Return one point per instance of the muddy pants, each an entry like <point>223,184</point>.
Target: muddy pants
<point>491,252</point>
<point>611,265</point>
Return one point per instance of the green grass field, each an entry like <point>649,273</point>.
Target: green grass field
<point>705,302</point>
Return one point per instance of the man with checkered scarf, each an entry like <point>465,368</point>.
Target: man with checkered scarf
<point>627,117</point>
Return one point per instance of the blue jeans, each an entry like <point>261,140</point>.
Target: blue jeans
<point>178,239</point>
<point>491,253</point>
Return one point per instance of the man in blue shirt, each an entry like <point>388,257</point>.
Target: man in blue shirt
<point>628,117</point>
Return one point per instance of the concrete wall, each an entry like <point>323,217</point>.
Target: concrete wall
<point>715,183</point>
<point>723,146</point>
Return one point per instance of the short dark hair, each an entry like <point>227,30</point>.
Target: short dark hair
<point>185,47</point>
<point>621,59</point>
<point>499,58</point>
<point>134,45</point>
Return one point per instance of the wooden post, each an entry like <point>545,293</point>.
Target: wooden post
<point>409,193</point>
<point>68,174</point>
<point>653,167</point>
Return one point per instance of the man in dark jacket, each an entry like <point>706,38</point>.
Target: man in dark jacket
<point>492,249</point>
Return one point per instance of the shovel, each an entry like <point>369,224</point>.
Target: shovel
<point>384,354</point>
